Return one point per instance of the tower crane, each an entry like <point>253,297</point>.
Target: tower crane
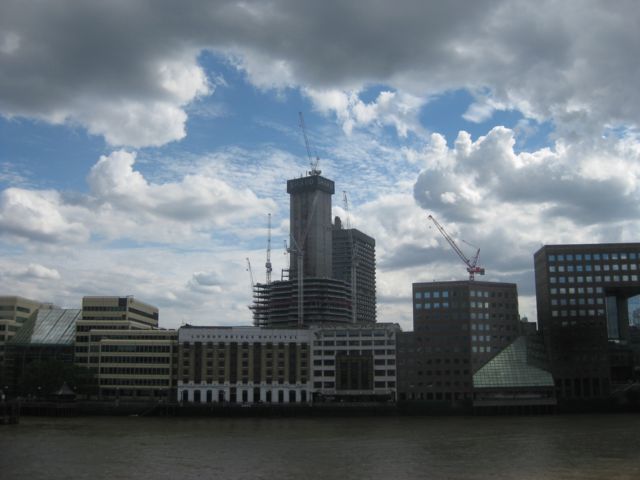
<point>251,277</point>
<point>345,201</point>
<point>312,162</point>
<point>472,264</point>
<point>268,262</point>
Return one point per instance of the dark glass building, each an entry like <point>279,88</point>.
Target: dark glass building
<point>458,327</point>
<point>582,294</point>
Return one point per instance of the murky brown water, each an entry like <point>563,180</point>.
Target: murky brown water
<point>554,447</point>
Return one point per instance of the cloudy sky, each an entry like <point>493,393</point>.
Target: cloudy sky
<point>143,143</point>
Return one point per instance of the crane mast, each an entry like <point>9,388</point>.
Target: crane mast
<point>313,163</point>
<point>268,263</point>
<point>471,264</point>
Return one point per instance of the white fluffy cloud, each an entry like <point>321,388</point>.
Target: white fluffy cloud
<point>122,204</point>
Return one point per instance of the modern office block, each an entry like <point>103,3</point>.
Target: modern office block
<point>109,313</point>
<point>582,294</point>
<point>355,362</point>
<point>457,327</point>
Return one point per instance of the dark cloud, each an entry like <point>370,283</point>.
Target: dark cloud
<point>108,65</point>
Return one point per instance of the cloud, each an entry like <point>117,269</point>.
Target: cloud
<point>122,204</point>
<point>39,272</point>
<point>40,216</point>
<point>135,70</point>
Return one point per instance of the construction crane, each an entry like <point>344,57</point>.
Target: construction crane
<point>268,263</point>
<point>312,162</point>
<point>250,274</point>
<point>472,264</point>
<point>253,284</point>
<point>345,201</point>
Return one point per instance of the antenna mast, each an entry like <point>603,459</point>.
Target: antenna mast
<point>268,263</point>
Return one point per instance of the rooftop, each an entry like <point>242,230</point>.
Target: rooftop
<point>510,369</point>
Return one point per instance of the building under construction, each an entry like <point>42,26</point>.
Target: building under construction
<point>354,261</point>
<point>325,261</point>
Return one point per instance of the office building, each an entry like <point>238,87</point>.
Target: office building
<point>582,294</point>
<point>243,365</point>
<point>109,313</point>
<point>134,364</point>
<point>458,326</point>
<point>355,362</point>
<point>354,262</point>
<point>14,311</point>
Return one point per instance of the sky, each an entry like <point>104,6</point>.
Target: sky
<point>144,142</point>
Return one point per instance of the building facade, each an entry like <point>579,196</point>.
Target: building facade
<point>243,365</point>
<point>457,327</point>
<point>355,362</point>
<point>135,364</point>
<point>354,262</point>
<point>14,311</point>
<point>582,293</point>
<point>310,224</point>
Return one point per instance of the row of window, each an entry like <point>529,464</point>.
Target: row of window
<point>481,349</point>
<point>574,290</point>
<point>593,268</point>
<point>433,294</point>
<point>135,381</point>
<point>328,353</point>
<point>569,257</point>
<point>577,313</point>
<point>137,348</point>
<point>596,279</point>
<point>353,333</point>
<point>332,385</point>
<point>243,345</point>
<point>133,371</point>
<point>577,301</point>
<point>332,373</point>
<point>119,359</point>
<point>353,343</point>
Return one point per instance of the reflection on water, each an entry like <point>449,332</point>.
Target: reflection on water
<point>554,447</point>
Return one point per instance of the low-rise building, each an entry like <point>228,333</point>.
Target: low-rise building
<point>355,362</point>
<point>243,365</point>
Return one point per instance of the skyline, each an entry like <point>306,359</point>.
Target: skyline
<point>141,147</point>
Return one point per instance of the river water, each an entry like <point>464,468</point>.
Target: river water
<point>548,447</point>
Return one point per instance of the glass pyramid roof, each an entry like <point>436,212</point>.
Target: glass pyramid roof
<point>48,327</point>
<point>510,369</point>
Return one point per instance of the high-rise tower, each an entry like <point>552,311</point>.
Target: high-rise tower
<point>310,225</point>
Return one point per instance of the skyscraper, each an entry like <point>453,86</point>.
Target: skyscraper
<point>310,225</point>
<point>354,262</point>
<point>319,289</point>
